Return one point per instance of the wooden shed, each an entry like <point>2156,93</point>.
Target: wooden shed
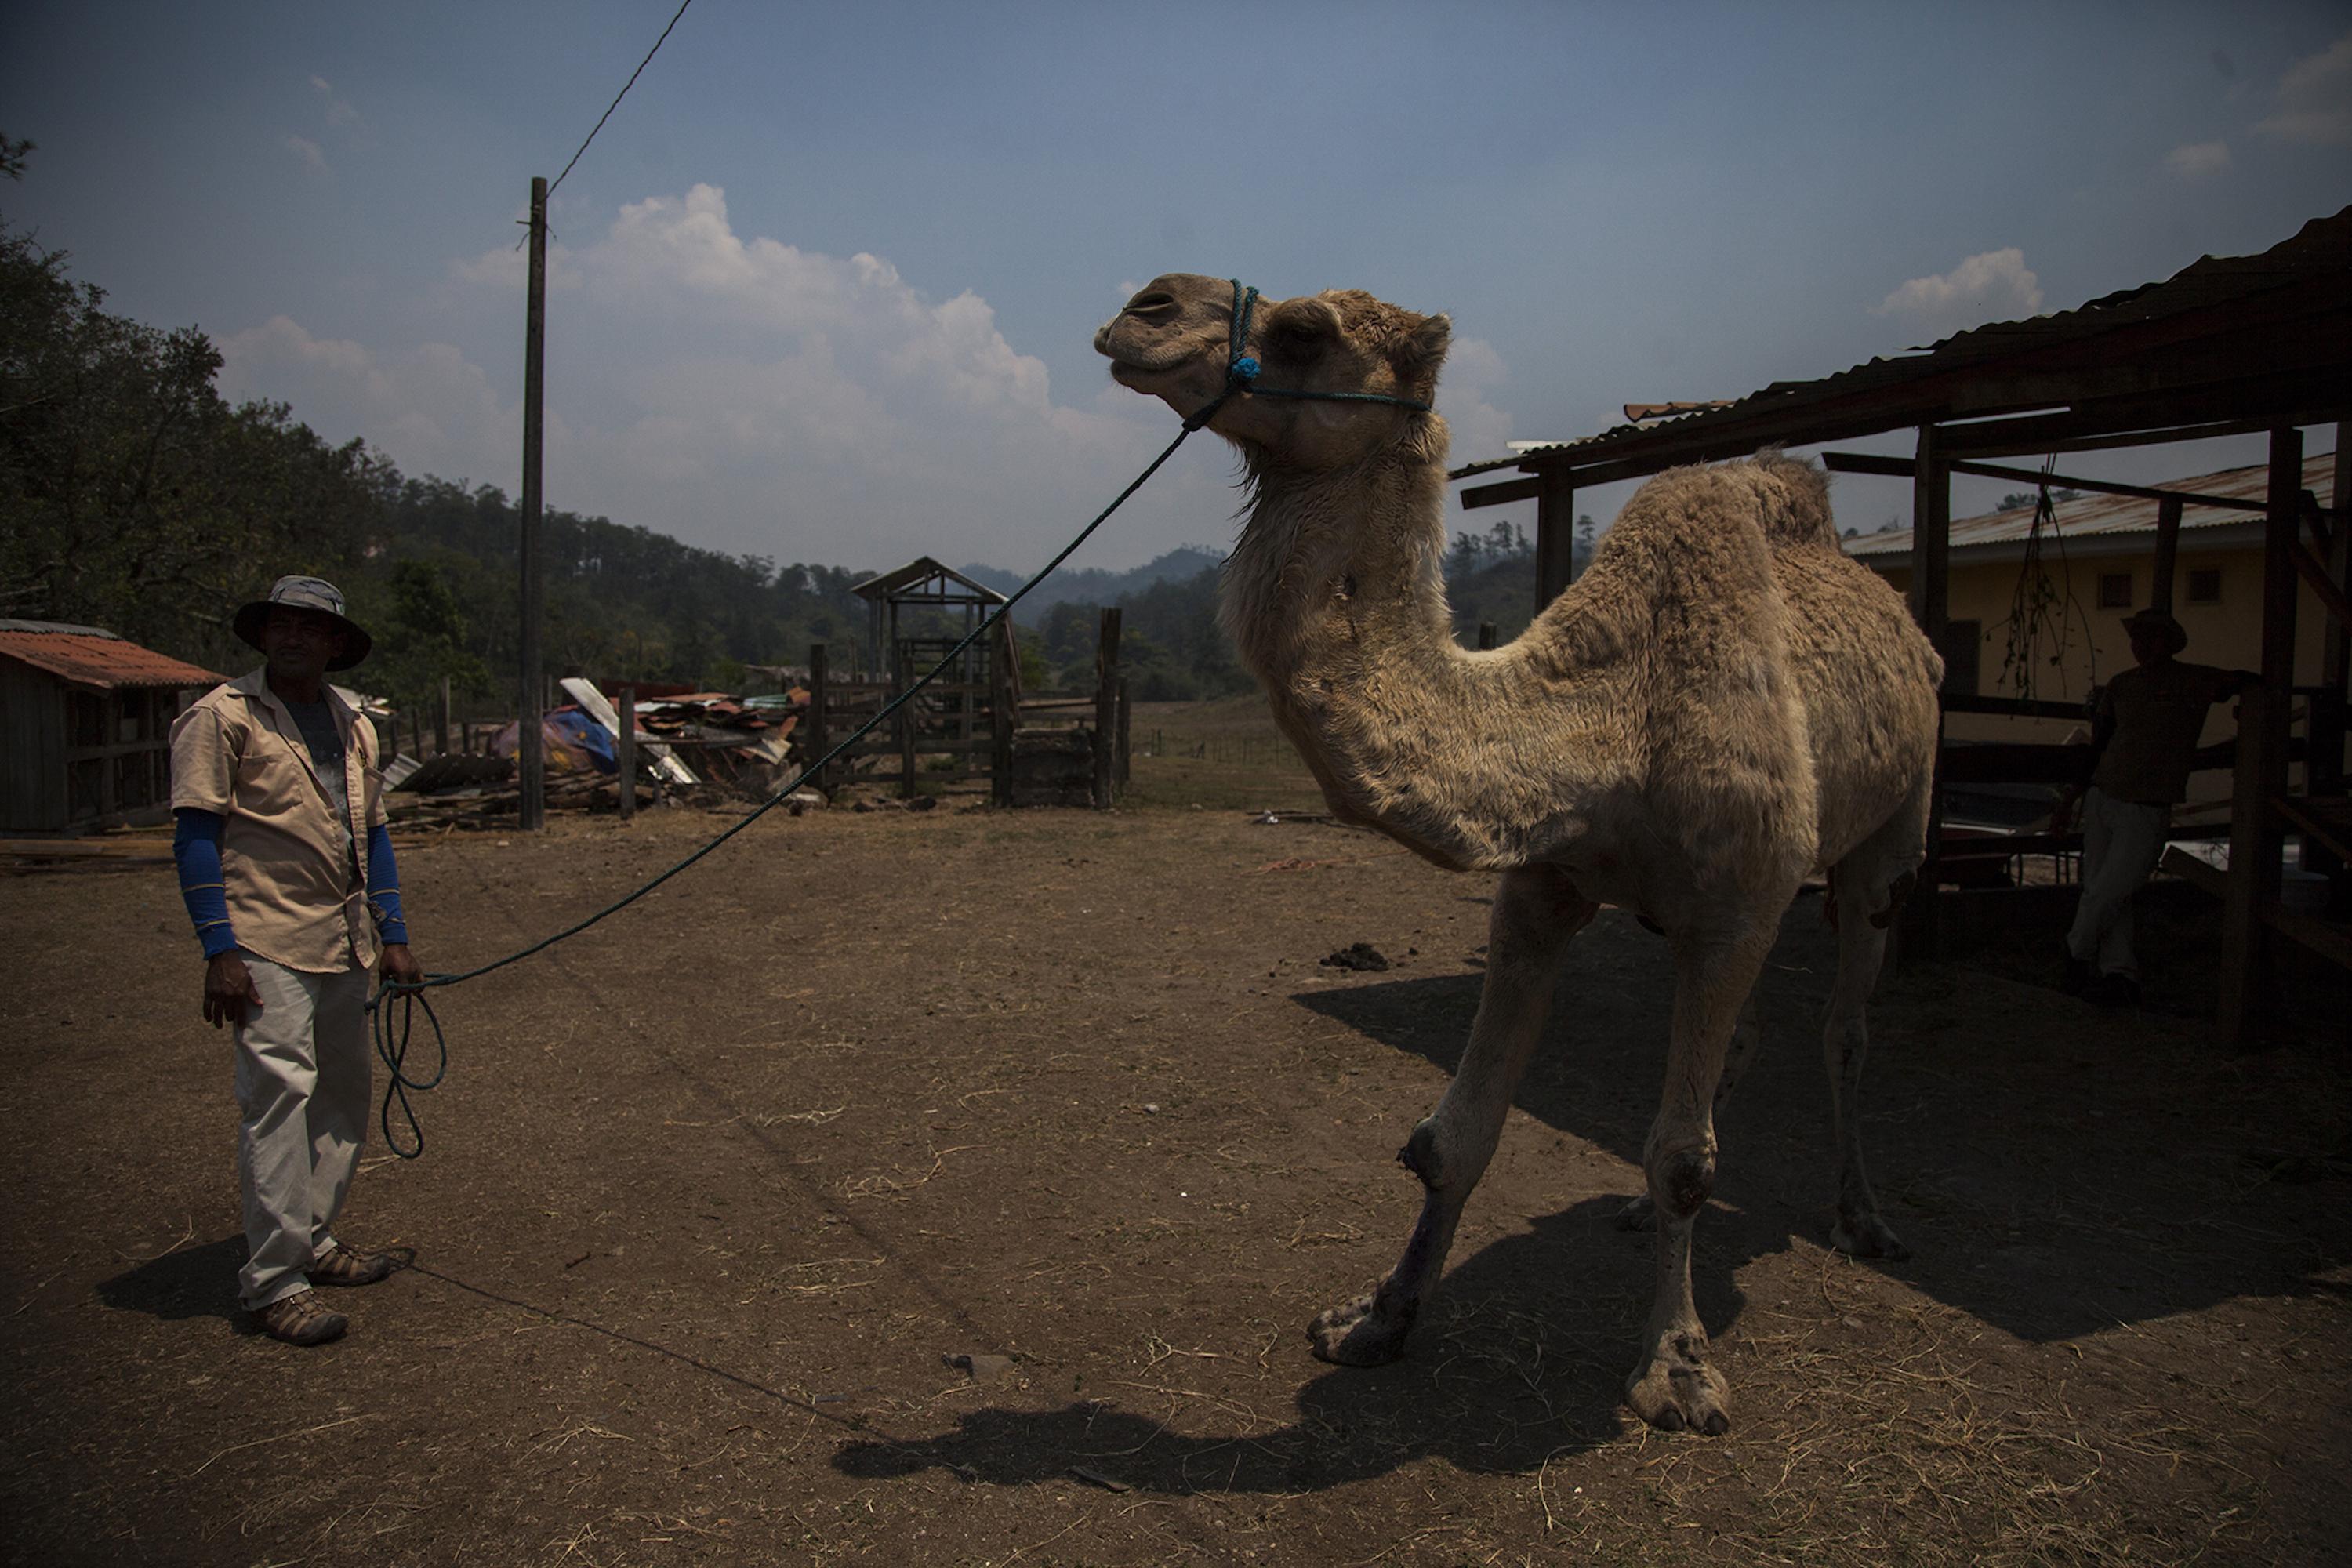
<point>2228,345</point>
<point>87,720</point>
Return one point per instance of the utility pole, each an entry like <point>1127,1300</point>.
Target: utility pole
<point>532,758</point>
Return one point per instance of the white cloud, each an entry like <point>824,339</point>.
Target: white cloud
<point>2198,160</point>
<point>1473,370</point>
<point>743,394</point>
<point>2314,97</point>
<point>313,159</point>
<point>428,406</point>
<point>339,112</point>
<point>1993,287</point>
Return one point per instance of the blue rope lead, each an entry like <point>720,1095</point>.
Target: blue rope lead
<point>391,1044</point>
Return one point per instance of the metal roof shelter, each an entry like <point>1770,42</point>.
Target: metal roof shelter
<point>85,722</point>
<point>2228,345</point>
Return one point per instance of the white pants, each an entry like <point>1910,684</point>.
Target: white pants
<point>2121,842</point>
<point>302,1083</point>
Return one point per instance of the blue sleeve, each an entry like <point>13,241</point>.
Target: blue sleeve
<point>195,847</point>
<point>383,887</point>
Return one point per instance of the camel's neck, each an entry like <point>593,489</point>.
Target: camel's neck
<point>1337,602</point>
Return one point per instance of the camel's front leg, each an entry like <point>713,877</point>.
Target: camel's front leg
<point>1675,1385</point>
<point>1536,910</point>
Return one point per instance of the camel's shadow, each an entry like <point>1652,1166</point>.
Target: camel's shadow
<point>1523,1357</point>
<point>2001,1222</point>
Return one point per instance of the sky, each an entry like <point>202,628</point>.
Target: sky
<point>824,288</point>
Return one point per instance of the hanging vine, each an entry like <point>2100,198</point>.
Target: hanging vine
<point>2045,615</point>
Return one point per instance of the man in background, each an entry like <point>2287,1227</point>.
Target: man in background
<point>286,867</point>
<point>2143,735</point>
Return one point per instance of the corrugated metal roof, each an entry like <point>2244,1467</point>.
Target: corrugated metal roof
<point>2317,255</point>
<point>89,657</point>
<point>2092,515</point>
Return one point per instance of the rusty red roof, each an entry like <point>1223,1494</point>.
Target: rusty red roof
<point>89,657</point>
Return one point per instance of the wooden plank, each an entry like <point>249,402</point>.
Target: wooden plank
<point>2013,707</point>
<point>1502,494</point>
<point>2323,587</point>
<point>2008,762</point>
<point>2331,835</point>
<point>1904,467</point>
<point>2168,552</point>
<point>1555,538</point>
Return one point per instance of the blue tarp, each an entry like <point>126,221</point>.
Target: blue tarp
<point>571,740</point>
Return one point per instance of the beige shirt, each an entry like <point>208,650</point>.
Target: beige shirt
<point>2158,716</point>
<point>237,752</point>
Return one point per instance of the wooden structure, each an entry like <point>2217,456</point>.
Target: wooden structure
<point>1037,750</point>
<point>85,726</point>
<point>2229,345</point>
<point>951,715</point>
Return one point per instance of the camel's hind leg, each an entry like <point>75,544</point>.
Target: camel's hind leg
<point>1536,910</point>
<point>1869,888</point>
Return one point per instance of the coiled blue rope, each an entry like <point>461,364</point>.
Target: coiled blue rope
<point>392,1040</point>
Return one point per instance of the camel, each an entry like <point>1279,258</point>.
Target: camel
<point>1722,704</point>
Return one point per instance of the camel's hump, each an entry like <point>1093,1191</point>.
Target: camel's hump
<point>1793,497</point>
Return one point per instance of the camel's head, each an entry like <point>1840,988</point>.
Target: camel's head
<point>1174,340</point>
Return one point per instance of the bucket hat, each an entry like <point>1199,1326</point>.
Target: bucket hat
<point>2157,621</point>
<point>304,594</point>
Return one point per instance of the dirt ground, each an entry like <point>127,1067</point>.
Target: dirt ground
<point>713,1192</point>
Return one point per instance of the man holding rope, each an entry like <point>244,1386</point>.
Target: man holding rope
<point>287,869</point>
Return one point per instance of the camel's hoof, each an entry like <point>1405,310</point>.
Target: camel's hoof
<point>1868,1236</point>
<point>1678,1391</point>
<point>1359,1334</point>
<point>1639,1214</point>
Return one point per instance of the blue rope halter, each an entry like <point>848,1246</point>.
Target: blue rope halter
<point>1241,372</point>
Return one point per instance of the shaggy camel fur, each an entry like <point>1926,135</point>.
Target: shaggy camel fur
<point>1721,705</point>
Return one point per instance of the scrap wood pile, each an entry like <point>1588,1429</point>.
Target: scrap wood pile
<point>703,743</point>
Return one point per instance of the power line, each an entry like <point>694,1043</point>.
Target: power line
<point>623,93</point>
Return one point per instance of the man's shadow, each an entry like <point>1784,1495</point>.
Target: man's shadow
<point>187,1282</point>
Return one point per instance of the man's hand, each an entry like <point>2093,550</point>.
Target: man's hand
<point>228,990</point>
<point>400,965</point>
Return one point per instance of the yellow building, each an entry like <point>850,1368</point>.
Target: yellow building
<point>2038,613</point>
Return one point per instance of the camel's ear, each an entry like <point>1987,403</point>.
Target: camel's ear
<point>1296,331</point>
<point>1423,349</point>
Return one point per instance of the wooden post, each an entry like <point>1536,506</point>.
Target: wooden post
<point>1486,635</point>
<point>1106,706</point>
<point>1555,537</point>
<point>625,751</point>
<point>2323,767</point>
<point>1000,721</point>
<point>2254,833</point>
<point>817,743</point>
<point>1931,535</point>
<point>2167,550</point>
<point>1126,768</point>
<point>441,732</point>
<point>902,676</point>
<point>533,762</point>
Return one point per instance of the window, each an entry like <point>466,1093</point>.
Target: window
<point>2205,586</point>
<point>2114,590</point>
